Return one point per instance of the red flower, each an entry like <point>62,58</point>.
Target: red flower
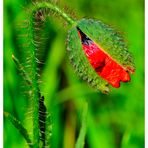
<point>103,63</point>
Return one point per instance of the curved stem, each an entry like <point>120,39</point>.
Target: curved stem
<point>34,78</point>
<point>57,10</point>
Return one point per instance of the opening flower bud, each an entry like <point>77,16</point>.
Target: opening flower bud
<point>99,54</point>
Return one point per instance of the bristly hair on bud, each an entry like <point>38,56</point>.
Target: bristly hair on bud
<point>99,54</point>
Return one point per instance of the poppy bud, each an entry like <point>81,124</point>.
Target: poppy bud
<point>99,54</point>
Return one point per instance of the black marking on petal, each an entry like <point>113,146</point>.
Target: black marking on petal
<point>84,39</point>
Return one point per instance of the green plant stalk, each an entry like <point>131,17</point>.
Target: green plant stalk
<point>35,95</point>
<point>20,128</point>
<point>57,10</point>
<point>41,104</point>
<point>34,86</point>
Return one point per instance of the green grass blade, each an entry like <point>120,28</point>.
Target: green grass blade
<point>20,127</point>
<point>81,138</point>
<point>22,70</point>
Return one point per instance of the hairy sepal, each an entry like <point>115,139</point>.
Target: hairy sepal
<point>81,63</point>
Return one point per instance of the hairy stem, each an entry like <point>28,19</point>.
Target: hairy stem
<point>35,97</point>
<point>34,86</point>
<point>56,10</point>
<point>33,49</point>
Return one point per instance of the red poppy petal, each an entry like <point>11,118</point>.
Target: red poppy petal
<point>104,65</point>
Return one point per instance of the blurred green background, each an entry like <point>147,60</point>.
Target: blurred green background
<point>113,121</point>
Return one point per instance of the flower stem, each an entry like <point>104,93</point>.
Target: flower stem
<point>57,10</point>
<point>33,48</point>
